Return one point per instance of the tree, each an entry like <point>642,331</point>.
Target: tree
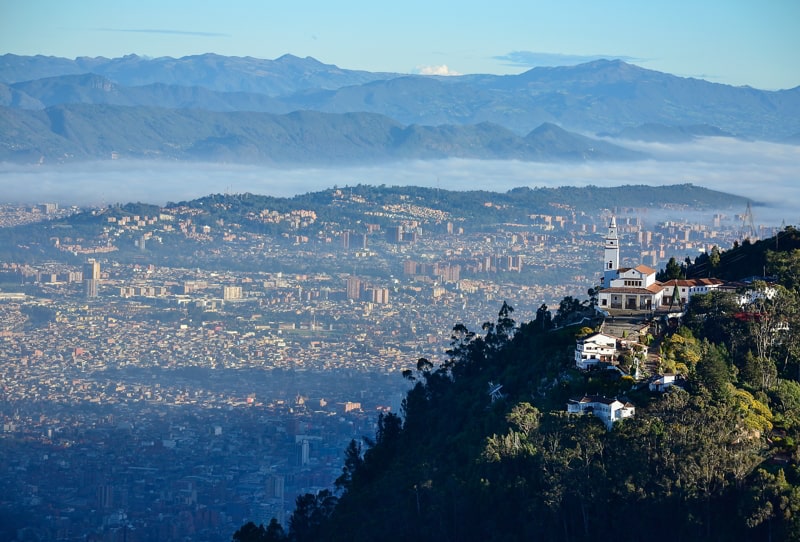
<point>568,309</point>
<point>500,333</point>
<point>711,316</point>
<point>461,342</point>
<point>352,463</point>
<point>249,532</point>
<point>713,260</point>
<point>766,312</point>
<point>274,532</point>
<point>673,270</point>
<point>759,372</point>
<point>786,267</point>
<point>785,402</point>
<point>712,369</point>
<point>310,513</point>
<point>524,417</point>
<point>593,294</point>
<point>772,504</point>
<point>544,319</point>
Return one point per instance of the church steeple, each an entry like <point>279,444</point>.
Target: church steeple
<point>612,247</point>
<point>611,254</point>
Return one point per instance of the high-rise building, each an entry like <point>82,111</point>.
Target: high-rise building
<point>394,234</point>
<point>353,288</point>
<point>449,273</point>
<point>91,270</point>
<point>352,240</point>
<point>91,277</point>
<point>380,295</point>
<point>230,293</point>
<point>409,267</point>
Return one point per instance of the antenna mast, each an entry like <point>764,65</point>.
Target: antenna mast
<point>748,228</point>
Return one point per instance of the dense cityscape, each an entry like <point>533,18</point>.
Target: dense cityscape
<point>144,399</point>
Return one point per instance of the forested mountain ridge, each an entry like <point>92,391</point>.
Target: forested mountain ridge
<point>227,99</point>
<point>750,258</point>
<point>718,458</point>
<point>351,207</point>
<point>285,75</point>
<point>598,96</point>
<point>76,132</point>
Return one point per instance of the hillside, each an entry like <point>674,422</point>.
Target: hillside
<point>750,259</point>
<point>282,76</point>
<point>484,449</point>
<point>357,205</point>
<point>66,133</point>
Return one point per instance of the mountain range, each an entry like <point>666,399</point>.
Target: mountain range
<point>298,110</point>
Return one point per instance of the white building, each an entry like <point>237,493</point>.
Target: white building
<point>594,349</point>
<point>608,410</point>
<point>626,288</point>
<point>662,383</point>
<point>631,288</point>
<point>686,288</point>
<point>231,293</point>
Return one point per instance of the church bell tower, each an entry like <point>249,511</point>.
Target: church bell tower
<point>611,254</point>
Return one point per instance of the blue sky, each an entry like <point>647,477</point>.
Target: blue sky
<point>737,42</point>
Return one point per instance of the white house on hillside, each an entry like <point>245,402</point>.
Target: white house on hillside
<point>594,349</point>
<point>608,410</point>
<point>686,288</point>
<point>661,383</point>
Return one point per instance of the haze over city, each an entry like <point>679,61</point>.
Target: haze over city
<point>764,172</point>
<point>221,276</point>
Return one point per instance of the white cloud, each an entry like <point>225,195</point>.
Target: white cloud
<point>436,70</point>
<point>766,173</point>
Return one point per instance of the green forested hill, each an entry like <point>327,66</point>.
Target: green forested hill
<point>74,132</point>
<point>716,460</point>
<point>750,259</point>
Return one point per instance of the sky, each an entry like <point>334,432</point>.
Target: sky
<point>735,42</point>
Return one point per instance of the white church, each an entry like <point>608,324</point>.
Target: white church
<point>636,288</point>
<point>626,288</point>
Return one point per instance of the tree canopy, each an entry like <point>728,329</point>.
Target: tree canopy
<point>485,450</point>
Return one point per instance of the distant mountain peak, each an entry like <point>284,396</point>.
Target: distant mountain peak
<point>601,96</point>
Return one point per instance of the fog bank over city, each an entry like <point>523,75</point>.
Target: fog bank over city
<point>767,173</point>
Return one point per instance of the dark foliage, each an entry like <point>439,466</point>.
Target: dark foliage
<point>471,461</point>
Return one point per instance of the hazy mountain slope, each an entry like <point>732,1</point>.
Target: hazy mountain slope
<point>80,131</point>
<point>26,136</point>
<point>598,96</point>
<point>98,89</point>
<point>553,141</point>
<point>12,97</point>
<point>284,75</point>
<point>494,112</point>
<point>16,68</point>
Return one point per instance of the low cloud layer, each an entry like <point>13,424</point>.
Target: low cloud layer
<point>766,173</point>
